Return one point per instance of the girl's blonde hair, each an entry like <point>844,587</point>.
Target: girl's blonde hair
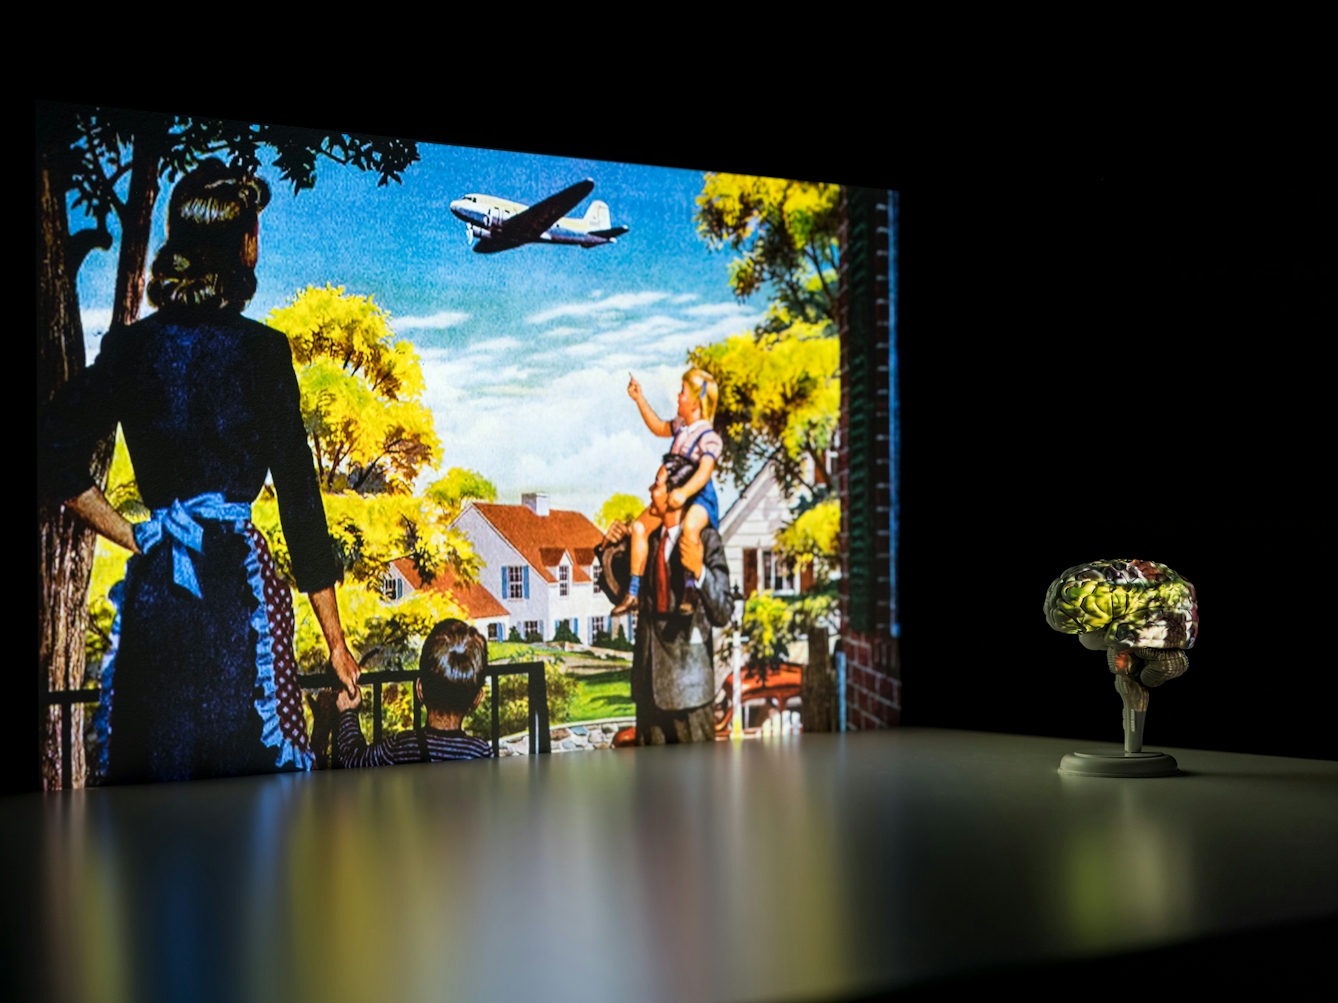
<point>704,388</point>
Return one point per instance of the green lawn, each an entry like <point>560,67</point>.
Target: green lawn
<point>607,694</point>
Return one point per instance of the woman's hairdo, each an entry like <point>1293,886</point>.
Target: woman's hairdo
<point>211,214</point>
<point>452,667</point>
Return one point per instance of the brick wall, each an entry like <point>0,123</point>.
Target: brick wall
<point>866,462</point>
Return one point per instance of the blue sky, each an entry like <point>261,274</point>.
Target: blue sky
<point>526,353</point>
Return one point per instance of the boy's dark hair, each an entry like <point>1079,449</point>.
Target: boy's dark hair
<point>678,470</point>
<point>452,667</point>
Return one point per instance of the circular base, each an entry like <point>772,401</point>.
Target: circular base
<point>1097,763</point>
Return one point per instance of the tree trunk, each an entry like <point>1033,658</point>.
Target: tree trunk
<point>65,545</point>
<point>136,220</point>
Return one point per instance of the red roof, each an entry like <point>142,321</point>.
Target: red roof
<point>542,539</point>
<point>477,601</point>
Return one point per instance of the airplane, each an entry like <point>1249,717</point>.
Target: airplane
<point>493,224</point>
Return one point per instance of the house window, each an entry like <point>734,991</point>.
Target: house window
<point>392,587</point>
<point>494,632</point>
<point>777,574</point>
<point>515,582</point>
<point>534,630</point>
<point>598,625</point>
<point>564,580</point>
<point>597,576</point>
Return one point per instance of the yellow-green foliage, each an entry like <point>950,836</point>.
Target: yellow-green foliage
<point>780,394</point>
<point>451,492</point>
<point>783,232</point>
<point>619,506</point>
<point>813,537</point>
<point>361,392</point>
<point>768,628</point>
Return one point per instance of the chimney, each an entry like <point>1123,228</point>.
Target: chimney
<point>536,503</point>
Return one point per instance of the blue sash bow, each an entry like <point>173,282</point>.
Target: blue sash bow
<point>178,522</point>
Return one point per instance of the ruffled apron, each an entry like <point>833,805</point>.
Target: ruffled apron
<point>284,727</point>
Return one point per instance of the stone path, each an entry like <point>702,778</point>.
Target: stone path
<point>572,737</point>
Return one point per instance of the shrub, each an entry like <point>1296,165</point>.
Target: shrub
<point>513,691</point>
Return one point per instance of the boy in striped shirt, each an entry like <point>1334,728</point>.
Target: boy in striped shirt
<point>451,673</point>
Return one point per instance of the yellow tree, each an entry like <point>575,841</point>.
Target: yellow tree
<point>371,436</point>
<point>779,389</point>
<point>619,506</point>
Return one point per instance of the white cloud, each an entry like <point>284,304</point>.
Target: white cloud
<point>578,436</point>
<point>716,310</point>
<point>564,332</point>
<point>503,344</point>
<point>684,298</point>
<point>436,322</point>
<point>596,307</point>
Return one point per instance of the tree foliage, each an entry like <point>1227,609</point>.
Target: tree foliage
<point>779,386</point>
<point>780,400</point>
<point>768,629</point>
<point>784,237</point>
<point>619,506</point>
<point>812,539</point>
<point>361,392</point>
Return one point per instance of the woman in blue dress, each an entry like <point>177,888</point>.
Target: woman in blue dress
<point>201,679</point>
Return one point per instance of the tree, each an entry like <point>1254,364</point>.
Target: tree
<point>784,235</point>
<point>768,629</point>
<point>372,437</point>
<point>780,400</point>
<point>812,539</point>
<point>619,506</point>
<point>113,162</point>
<point>564,634</point>
<point>779,387</point>
<point>361,392</point>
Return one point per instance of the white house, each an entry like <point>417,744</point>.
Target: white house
<point>748,532</point>
<point>540,564</point>
<point>480,606</point>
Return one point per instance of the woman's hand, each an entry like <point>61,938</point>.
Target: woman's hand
<point>346,667</point>
<point>94,509</point>
<point>634,389</point>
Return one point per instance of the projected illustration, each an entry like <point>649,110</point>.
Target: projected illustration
<point>358,450</point>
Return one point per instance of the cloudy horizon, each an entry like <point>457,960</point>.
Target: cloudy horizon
<point>526,354</point>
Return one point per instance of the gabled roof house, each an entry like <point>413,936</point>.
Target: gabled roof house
<point>539,563</point>
<point>480,605</point>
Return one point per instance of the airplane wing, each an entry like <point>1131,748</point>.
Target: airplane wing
<point>530,224</point>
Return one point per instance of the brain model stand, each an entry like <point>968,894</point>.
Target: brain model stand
<point>1144,617</point>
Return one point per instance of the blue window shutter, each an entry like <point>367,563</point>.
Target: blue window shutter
<point>576,627</point>
<point>506,591</point>
<point>527,581</point>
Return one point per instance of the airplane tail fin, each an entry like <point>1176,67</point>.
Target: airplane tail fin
<point>597,216</point>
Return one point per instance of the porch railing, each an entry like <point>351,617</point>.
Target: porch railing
<point>537,694</point>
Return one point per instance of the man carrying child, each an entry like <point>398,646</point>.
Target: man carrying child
<point>451,672</point>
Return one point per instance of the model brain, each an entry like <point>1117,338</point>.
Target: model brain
<point>1137,604</point>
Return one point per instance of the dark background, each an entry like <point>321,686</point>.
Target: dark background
<point>1110,347</point>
